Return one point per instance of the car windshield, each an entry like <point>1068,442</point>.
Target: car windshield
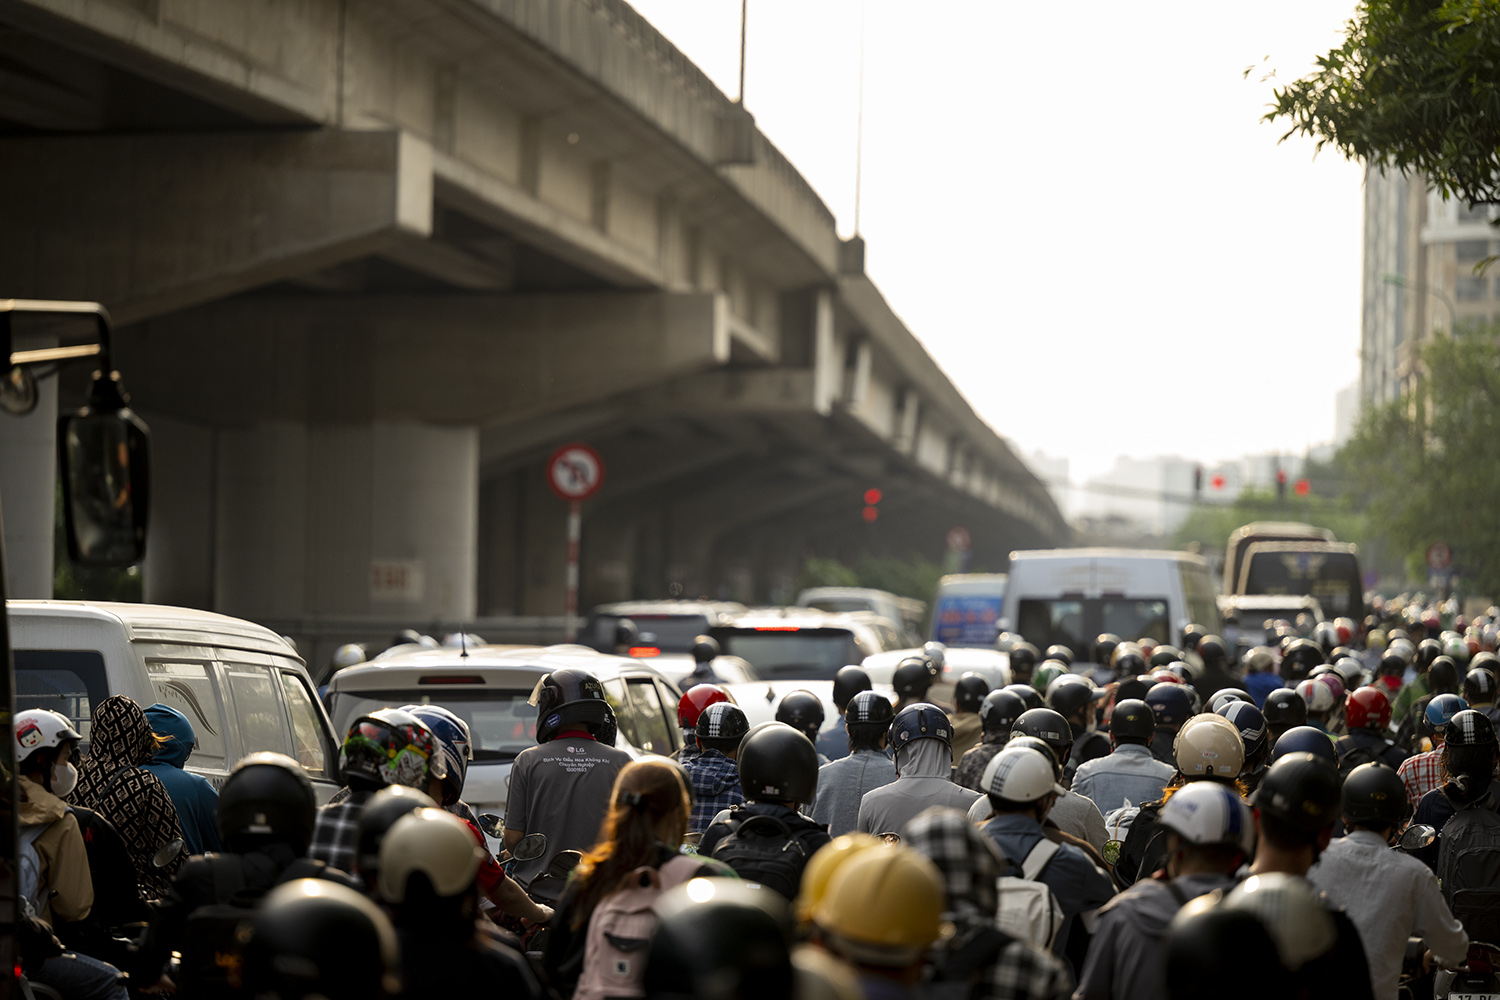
<point>501,723</point>
<point>1074,622</point>
<point>790,652</point>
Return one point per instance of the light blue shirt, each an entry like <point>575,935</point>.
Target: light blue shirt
<point>1130,772</point>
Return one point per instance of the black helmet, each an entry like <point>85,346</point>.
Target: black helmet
<point>1046,749</point>
<point>869,708</point>
<point>1392,664</point>
<point>1192,634</point>
<point>1442,675</point>
<point>1072,692</point>
<point>847,683</point>
<point>1479,686</point>
<point>1129,663</point>
<point>723,720</point>
<point>1223,953</point>
<point>912,678</point>
<point>379,815</point>
<point>1374,794</point>
<point>1225,695</point>
<point>1301,656</point>
<point>1304,739</point>
<point>722,940</point>
<point>1104,648</point>
<point>803,711</point>
<point>1132,721</point>
<point>1165,655</point>
<point>999,711</point>
<point>570,699</point>
<point>1302,791</point>
<point>267,797</point>
<point>1211,650</point>
<point>969,692</point>
<point>1057,651</point>
<point>1030,696</point>
<point>1133,687</point>
<point>625,632</point>
<point>1170,703</point>
<point>777,764</point>
<point>407,637</point>
<point>1470,728</point>
<point>705,648</point>
<point>391,747</point>
<point>920,722</point>
<point>1285,709</point>
<point>1047,726</point>
<point>1024,655</point>
<point>315,937</point>
<point>1427,651</point>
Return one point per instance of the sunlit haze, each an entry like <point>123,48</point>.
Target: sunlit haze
<point>1077,209</point>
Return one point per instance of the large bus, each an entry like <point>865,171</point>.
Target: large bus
<point>1328,571</point>
<point>1264,531</point>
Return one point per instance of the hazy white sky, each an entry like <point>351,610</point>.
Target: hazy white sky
<point>1076,207</point>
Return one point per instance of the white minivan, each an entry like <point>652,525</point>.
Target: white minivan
<point>242,686</point>
<point>1071,596</point>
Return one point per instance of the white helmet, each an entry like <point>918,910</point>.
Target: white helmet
<point>1289,907</point>
<point>1020,774</point>
<point>1209,746</point>
<point>348,655</point>
<point>1206,812</point>
<point>40,728</point>
<point>1319,697</point>
<point>435,843</point>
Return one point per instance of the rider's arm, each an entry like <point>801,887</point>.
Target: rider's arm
<point>1435,922</point>
<point>512,838</point>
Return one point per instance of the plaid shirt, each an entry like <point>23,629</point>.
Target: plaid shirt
<point>336,834</point>
<point>716,786</point>
<point>1421,774</point>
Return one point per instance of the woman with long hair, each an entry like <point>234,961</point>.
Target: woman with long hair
<point>644,828</point>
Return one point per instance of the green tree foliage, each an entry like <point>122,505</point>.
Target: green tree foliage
<point>914,577</point>
<point>1429,462</point>
<point>1416,87</point>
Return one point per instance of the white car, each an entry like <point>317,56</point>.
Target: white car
<point>490,689</point>
<point>994,666</point>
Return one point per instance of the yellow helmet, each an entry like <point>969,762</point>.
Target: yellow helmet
<point>821,866</point>
<point>883,907</point>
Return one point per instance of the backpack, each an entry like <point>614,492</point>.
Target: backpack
<point>620,931</point>
<point>30,889</point>
<point>763,849</point>
<point>1028,910</point>
<point>1352,754</point>
<point>954,972</point>
<point>1468,868</point>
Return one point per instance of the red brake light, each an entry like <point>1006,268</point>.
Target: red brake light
<point>777,628</point>
<point>452,679</point>
<point>644,652</point>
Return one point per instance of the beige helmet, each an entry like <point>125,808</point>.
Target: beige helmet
<point>435,843</point>
<point>1209,746</point>
<point>883,907</point>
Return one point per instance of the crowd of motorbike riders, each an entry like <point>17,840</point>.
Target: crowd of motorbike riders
<point>1314,817</point>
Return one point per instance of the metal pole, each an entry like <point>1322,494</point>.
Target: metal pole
<point>575,532</point>
<point>744,16</point>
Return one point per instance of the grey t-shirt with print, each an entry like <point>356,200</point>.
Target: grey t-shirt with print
<point>561,789</point>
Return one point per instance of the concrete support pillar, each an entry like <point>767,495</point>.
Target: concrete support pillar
<point>28,483</point>
<point>375,519</point>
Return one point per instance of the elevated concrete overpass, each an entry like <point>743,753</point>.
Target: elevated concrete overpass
<point>374,261</point>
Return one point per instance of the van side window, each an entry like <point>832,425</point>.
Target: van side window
<point>651,722</point>
<point>307,734</point>
<point>191,689</point>
<point>257,706</point>
<point>62,680</point>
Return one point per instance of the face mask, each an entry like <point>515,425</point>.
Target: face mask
<point>64,778</point>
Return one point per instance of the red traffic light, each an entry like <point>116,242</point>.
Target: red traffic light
<point>870,514</point>
<point>1217,482</point>
<point>1303,487</point>
<point>872,497</point>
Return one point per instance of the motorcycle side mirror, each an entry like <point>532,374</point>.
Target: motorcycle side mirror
<point>494,826</point>
<point>168,852</point>
<point>1417,836</point>
<point>105,460</point>
<point>530,847</point>
<point>563,864</point>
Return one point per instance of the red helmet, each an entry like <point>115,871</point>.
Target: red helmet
<point>1368,708</point>
<point>1166,677</point>
<point>697,698</point>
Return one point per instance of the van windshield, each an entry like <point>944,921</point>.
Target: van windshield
<point>1332,577</point>
<point>1076,621</point>
<point>501,723</point>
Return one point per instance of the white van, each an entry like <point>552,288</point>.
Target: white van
<point>1071,596</point>
<point>242,686</point>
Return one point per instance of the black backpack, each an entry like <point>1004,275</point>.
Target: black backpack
<point>1468,867</point>
<point>763,849</point>
<point>1352,754</point>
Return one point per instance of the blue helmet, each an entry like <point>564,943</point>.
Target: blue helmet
<point>453,743</point>
<point>1441,710</point>
<point>1305,739</point>
<point>1170,703</point>
<point>921,721</point>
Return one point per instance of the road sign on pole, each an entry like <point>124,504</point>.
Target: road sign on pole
<point>1439,556</point>
<point>575,472</point>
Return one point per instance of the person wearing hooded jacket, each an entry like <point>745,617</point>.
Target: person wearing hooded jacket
<point>113,783</point>
<point>196,800</point>
<point>924,760</point>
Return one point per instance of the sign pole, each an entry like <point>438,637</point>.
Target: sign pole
<point>575,532</point>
